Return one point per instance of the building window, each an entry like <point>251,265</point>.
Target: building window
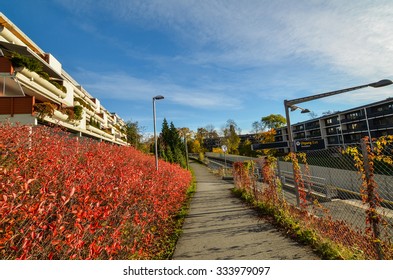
<point>331,121</point>
<point>333,140</point>
<point>383,121</point>
<point>354,115</point>
<point>353,138</point>
<point>299,135</point>
<point>332,130</point>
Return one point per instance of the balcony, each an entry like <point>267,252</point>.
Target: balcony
<point>100,132</point>
<point>356,129</point>
<point>314,134</point>
<point>330,122</point>
<point>380,113</point>
<point>333,130</point>
<point>334,140</point>
<point>381,126</point>
<point>45,88</point>
<point>353,119</point>
<point>297,129</point>
<point>312,125</point>
<point>300,136</point>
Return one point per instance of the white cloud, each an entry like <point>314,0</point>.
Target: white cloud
<point>351,36</point>
<point>348,38</point>
<point>125,87</point>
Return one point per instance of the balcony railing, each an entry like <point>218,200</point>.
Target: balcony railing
<point>356,129</point>
<point>316,134</point>
<point>353,119</point>
<point>312,126</point>
<point>380,113</point>
<point>333,132</point>
<point>378,126</point>
<point>297,129</point>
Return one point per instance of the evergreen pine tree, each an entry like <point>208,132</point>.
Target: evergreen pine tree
<point>171,148</point>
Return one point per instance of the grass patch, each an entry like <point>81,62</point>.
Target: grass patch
<point>169,245</point>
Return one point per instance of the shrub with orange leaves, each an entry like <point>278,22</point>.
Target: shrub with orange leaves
<point>64,197</point>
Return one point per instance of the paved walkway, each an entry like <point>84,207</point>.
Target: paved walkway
<point>220,226</point>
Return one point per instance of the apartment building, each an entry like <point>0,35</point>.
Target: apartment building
<point>36,90</point>
<point>341,128</point>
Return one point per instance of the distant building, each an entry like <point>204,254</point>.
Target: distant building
<point>35,89</point>
<point>210,143</point>
<point>347,127</point>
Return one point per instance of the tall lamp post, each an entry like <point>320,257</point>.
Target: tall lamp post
<point>290,104</point>
<point>158,97</point>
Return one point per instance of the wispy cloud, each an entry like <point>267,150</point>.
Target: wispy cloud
<point>121,86</point>
<point>343,38</point>
<point>353,36</point>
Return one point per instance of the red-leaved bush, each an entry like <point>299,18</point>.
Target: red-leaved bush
<point>63,197</point>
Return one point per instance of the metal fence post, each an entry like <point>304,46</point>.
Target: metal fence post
<point>371,199</point>
<point>278,168</point>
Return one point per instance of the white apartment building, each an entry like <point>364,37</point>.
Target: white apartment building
<point>35,90</point>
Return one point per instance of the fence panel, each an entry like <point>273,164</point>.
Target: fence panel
<point>347,190</point>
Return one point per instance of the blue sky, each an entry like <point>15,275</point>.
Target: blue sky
<point>215,60</point>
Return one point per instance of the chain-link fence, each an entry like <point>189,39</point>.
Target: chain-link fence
<point>346,193</point>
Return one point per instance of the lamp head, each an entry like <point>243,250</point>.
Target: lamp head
<point>293,107</point>
<point>303,111</point>
<point>158,97</point>
<point>381,83</point>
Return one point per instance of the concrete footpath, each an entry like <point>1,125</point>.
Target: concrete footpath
<point>221,227</point>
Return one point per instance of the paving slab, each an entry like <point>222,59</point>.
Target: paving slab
<point>220,226</point>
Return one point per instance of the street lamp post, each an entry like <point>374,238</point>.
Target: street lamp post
<point>290,104</point>
<point>158,97</point>
<point>185,144</point>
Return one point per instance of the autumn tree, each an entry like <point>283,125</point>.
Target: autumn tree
<point>231,137</point>
<point>195,146</point>
<point>273,121</point>
<point>257,127</point>
<point>134,133</point>
<point>211,132</point>
<point>267,137</point>
<point>206,134</point>
<point>245,149</point>
<point>267,130</point>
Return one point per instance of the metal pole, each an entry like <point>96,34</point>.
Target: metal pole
<point>368,128</point>
<point>381,83</point>
<point>185,143</point>
<point>225,164</point>
<point>158,97</point>
<point>292,150</point>
<point>155,134</point>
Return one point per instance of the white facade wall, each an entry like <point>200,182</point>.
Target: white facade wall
<point>43,90</point>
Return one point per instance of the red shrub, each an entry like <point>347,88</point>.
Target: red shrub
<point>63,197</point>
